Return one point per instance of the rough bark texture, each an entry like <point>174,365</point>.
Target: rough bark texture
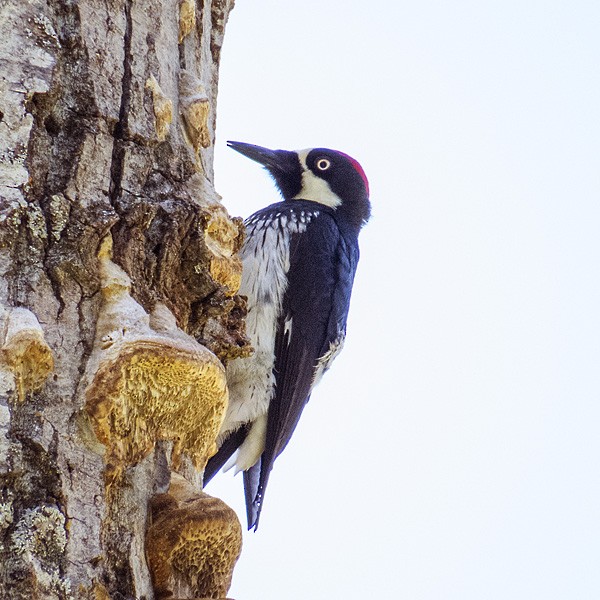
<point>118,274</point>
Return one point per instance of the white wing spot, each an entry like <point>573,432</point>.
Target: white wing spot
<point>327,359</point>
<point>287,329</point>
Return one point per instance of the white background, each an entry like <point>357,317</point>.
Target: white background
<point>453,451</point>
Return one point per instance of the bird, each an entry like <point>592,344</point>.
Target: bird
<point>299,260</point>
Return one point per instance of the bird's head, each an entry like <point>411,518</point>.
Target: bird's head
<point>320,175</point>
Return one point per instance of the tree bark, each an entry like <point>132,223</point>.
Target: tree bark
<point>119,271</point>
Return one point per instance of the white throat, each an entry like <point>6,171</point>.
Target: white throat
<point>314,188</point>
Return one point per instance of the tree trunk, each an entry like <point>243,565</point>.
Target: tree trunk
<point>119,271</point>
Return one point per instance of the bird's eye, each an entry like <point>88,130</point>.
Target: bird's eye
<point>323,164</point>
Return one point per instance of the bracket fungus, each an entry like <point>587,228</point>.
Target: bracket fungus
<point>149,381</point>
<point>187,18</point>
<point>24,350</point>
<point>162,106</point>
<point>192,544</point>
<point>223,240</point>
<point>195,110</point>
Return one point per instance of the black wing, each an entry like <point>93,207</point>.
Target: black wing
<point>312,321</point>
<point>226,450</point>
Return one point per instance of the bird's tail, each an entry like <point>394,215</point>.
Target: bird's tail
<point>253,495</point>
<point>255,484</point>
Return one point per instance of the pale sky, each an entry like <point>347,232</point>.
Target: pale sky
<point>453,450</point>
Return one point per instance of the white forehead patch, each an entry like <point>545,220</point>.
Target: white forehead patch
<point>314,188</point>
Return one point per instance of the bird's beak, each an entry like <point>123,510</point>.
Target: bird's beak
<point>274,160</point>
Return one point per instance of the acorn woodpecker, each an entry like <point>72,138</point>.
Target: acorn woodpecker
<point>299,261</point>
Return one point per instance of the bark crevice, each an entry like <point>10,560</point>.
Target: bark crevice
<point>120,132</point>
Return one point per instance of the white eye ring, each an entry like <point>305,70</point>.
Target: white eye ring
<point>323,164</point>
